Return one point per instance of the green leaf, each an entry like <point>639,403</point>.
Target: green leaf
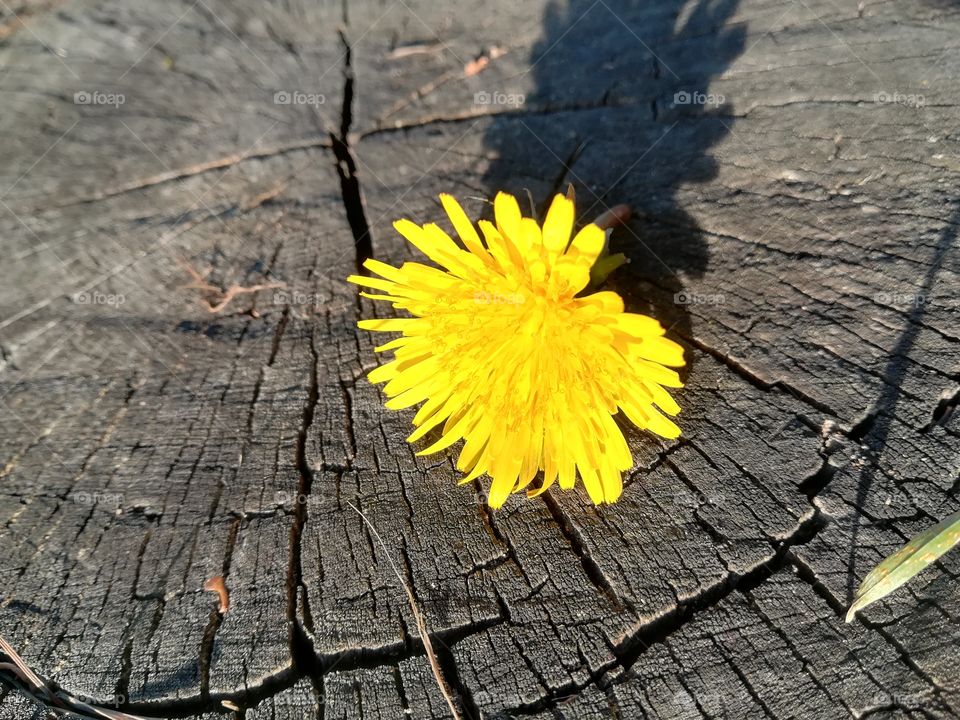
<point>603,266</point>
<point>916,555</point>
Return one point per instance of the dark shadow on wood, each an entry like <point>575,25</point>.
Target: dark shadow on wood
<point>627,119</point>
<point>874,430</point>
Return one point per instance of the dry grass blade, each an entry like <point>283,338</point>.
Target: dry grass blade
<point>421,625</point>
<point>22,670</point>
<point>18,675</point>
<point>916,555</point>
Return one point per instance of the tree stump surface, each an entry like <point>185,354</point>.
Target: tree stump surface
<point>793,171</point>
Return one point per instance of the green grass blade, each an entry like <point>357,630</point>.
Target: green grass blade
<point>913,557</point>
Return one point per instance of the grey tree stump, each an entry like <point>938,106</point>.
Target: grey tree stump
<point>793,169</point>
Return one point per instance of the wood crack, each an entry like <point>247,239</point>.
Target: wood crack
<point>346,166</point>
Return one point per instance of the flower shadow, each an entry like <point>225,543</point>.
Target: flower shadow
<point>621,110</point>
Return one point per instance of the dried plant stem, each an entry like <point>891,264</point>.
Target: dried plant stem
<point>421,625</point>
<point>19,675</point>
<point>199,282</point>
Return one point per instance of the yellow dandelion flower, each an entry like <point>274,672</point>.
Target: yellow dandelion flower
<point>505,354</point>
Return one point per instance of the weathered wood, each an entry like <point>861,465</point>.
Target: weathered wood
<point>796,230</point>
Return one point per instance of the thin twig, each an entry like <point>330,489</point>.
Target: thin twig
<point>231,292</point>
<point>421,625</point>
<point>199,282</point>
<point>17,674</point>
